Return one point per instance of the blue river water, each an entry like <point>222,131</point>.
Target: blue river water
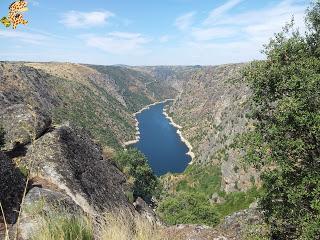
<point>160,142</point>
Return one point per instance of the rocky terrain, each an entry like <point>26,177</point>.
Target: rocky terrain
<point>59,118</point>
<point>212,109</point>
<point>100,99</point>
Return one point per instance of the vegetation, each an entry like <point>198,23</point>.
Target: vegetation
<point>134,164</point>
<point>64,227</point>
<point>188,201</point>
<point>119,225</point>
<point>188,208</point>
<point>94,110</point>
<point>286,134</point>
<point>133,92</point>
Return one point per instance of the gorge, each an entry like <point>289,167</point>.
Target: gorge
<point>160,142</point>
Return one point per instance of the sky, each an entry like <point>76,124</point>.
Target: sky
<point>147,32</point>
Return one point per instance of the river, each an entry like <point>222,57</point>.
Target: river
<point>160,142</point>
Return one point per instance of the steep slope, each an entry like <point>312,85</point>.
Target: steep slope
<point>211,109</point>
<point>99,99</point>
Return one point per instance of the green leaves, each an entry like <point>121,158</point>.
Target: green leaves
<point>134,164</point>
<point>188,208</point>
<point>286,133</point>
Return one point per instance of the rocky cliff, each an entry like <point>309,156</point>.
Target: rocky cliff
<point>56,117</point>
<point>212,109</point>
<point>100,99</point>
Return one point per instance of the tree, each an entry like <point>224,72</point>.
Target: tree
<point>135,165</point>
<point>286,135</point>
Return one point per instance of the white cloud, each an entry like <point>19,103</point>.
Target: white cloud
<point>185,21</point>
<point>27,37</point>
<point>236,37</point>
<point>75,19</point>
<point>119,43</point>
<point>205,34</point>
<point>164,38</point>
<point>217,12</point>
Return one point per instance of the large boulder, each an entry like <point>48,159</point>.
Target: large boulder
<point>12,184</point>
<point>22,124</point>
<point>40,203</point>
<point>69,159</point>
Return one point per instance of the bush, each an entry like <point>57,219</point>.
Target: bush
<point>286,109</point>
<point>188,208</point>
<point>135,165</point>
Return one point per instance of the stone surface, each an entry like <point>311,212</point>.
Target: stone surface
<point>211,110</point>
<point>216,199</point>
<point>22,124</point>
<point>241,224</point>
<point>40,202</point>
<point>12,184</point>
<point>69,159</point>
<point>146,211</point>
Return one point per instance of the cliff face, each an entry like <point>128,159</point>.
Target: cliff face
<point>100,99</point>
<point>54,114</point>
<point>211,108</point>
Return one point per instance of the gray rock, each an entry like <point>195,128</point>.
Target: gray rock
<point>69,159</point>
<point>12,184</point>
<point>22,124</point>
<point>39,203</point>
<point>216,199</point>
<point>240,223</point>
<point>145,211</point>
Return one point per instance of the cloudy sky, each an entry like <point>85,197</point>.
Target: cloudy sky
<point>147,32</point>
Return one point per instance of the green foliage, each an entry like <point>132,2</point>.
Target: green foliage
<point>188,208</point>
<point>190,198</point>
<point>126,80</point>
<point>286,134</point>
<point>135,165</point>
<point>94,110</point>
<point>1,136</point>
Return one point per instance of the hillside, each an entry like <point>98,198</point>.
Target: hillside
<point>99,99</point>
<point>212,109</point>
<point>56,117</point>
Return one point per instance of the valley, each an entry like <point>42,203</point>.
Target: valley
<point>102,101</point>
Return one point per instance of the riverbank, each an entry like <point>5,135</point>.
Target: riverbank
<point>137,138</point>
<point>184,140</point>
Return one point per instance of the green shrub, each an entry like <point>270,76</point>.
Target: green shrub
<point>188,208</point>
<point>189,201</point>
<point>135,165</point>
<point>286,111</point>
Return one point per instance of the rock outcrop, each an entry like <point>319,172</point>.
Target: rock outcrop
<point>12,184</point>
<point>212,110</point>
<point>69,159</point>
<point>22,124</point>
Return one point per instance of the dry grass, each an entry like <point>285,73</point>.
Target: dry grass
<point>119,225</point>
<point>123,226</point>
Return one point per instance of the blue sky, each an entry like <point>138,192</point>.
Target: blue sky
<point>147,32</point>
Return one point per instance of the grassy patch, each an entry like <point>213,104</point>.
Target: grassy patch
<point>188,199</point>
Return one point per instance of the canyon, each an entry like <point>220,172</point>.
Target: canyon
<point>64,121</point>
